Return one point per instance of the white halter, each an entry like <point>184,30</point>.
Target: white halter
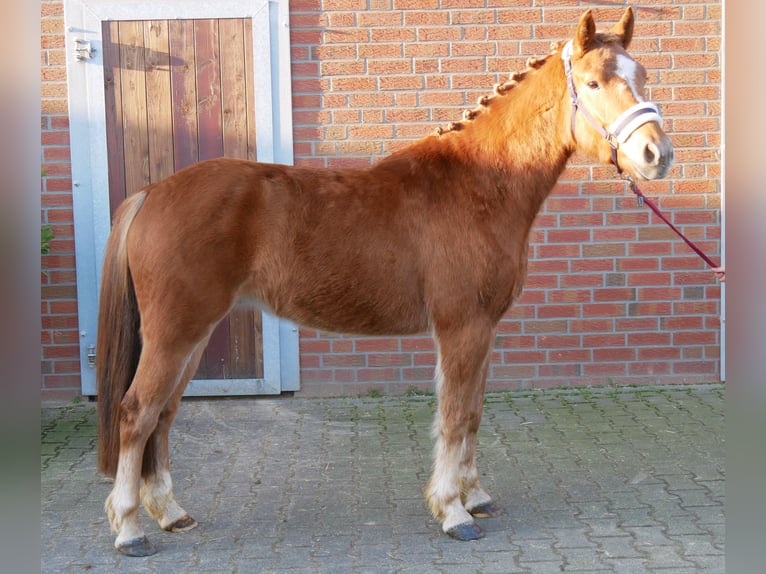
<point>620,129</point>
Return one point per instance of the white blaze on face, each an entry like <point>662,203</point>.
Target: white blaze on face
<point>626,69</point>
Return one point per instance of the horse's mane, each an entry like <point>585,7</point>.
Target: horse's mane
<point>503,88</point>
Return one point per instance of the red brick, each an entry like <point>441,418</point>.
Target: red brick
<point>603,250</point>
<point>659,293</point>
<point>604,369</point>
<point>415,4</point>
<point>389,360</point>
<point>649,279</point>
<point>590,265</point>
<point>376,344</point>
<point>557,311</point>
<point>58,184</point>
<point>61,351</point>
<point>604,310</point>
<point>555,370</point>
<point>557,341</point>
<point>421,359</point>
<point>513,371</point>
<point>649,368</point>
<point>71,381</point>
<point>401,82</point>
<point>379,374</point>
<point>652,339</point>
<point>314,346</point>
<point>569,356</point>
<point>614,294</point>
<point>615,354</point>
<point>571,280</point>
<point>695,367</point>
<point>61,366</point>
<point>341,360</point>
<point>427,18</point>
<point>614,234</point>
<point>519,357</point>
<point>570,296</point>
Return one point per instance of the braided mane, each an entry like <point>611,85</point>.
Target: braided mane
<point>500,89</point>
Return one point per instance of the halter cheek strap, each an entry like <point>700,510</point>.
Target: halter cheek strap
<point>620,129</point>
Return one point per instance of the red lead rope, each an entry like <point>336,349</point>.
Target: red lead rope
<point>642,198</point>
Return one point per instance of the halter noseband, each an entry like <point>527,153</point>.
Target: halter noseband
<point>620,129</point>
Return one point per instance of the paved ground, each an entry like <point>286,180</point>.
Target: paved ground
<point>592,481</point>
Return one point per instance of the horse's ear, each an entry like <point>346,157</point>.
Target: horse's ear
<point>624,28</point>
<point>585,34</point>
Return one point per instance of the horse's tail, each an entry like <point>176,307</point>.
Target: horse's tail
<point>118,344</point>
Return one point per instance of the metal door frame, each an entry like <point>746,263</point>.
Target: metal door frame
<point>274,144</point>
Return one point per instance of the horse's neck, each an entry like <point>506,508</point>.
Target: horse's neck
<point>517,145</point>
<point>523,133</point>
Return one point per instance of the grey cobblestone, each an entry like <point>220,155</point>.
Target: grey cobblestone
<point>613,480</point>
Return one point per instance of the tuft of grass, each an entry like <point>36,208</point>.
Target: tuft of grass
<point>46,236</point>
<point>413,391</point>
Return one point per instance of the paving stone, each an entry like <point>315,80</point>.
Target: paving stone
<point>616,546</point>
<point>620,480</point>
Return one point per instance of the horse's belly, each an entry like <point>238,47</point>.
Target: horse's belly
<point>351,306</point>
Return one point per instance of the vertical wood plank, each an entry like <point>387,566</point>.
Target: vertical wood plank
<point>113,114</point>
<point>136,141</point>
<point>210,144</point>
<point>208,63</point>
<point>244,323</point>
<point>183,84</point>
<point>233,91</point>
<point>159,110</point>
<point>252,154</point>
<point>215,363</point>
<point>250,79</point>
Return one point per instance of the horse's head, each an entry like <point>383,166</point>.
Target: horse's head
<point>610,119</point>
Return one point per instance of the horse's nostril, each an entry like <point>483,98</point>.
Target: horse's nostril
<point>651,154</point>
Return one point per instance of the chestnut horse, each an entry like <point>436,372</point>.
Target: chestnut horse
<point>432,238</point>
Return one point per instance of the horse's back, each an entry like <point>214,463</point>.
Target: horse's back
<point>326,248</point>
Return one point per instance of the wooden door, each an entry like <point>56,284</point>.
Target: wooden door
<point>178,92</point>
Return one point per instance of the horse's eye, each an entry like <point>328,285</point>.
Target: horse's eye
<point>593,85</point>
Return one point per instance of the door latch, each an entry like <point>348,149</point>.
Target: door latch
<point>91,356</point>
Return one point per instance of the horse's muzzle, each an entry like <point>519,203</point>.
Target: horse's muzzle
<point>648,157</point>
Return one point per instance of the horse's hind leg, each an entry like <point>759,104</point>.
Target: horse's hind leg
<point>157,376</point>
<point>157,488</point>
<point>463,357</point>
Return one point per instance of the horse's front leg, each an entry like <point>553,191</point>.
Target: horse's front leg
<point>453,491</point>
<point>475,499</point>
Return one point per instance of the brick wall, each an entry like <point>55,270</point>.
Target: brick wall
<point>611,296</point>
<point>59,336</point>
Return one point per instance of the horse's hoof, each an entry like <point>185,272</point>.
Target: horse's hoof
<point>486,510</point>
<point>466,531</point>
<point>183,524</point>
<point>137,547</point>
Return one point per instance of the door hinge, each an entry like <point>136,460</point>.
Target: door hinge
<point>91,356</point>
<point>83,49</point>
